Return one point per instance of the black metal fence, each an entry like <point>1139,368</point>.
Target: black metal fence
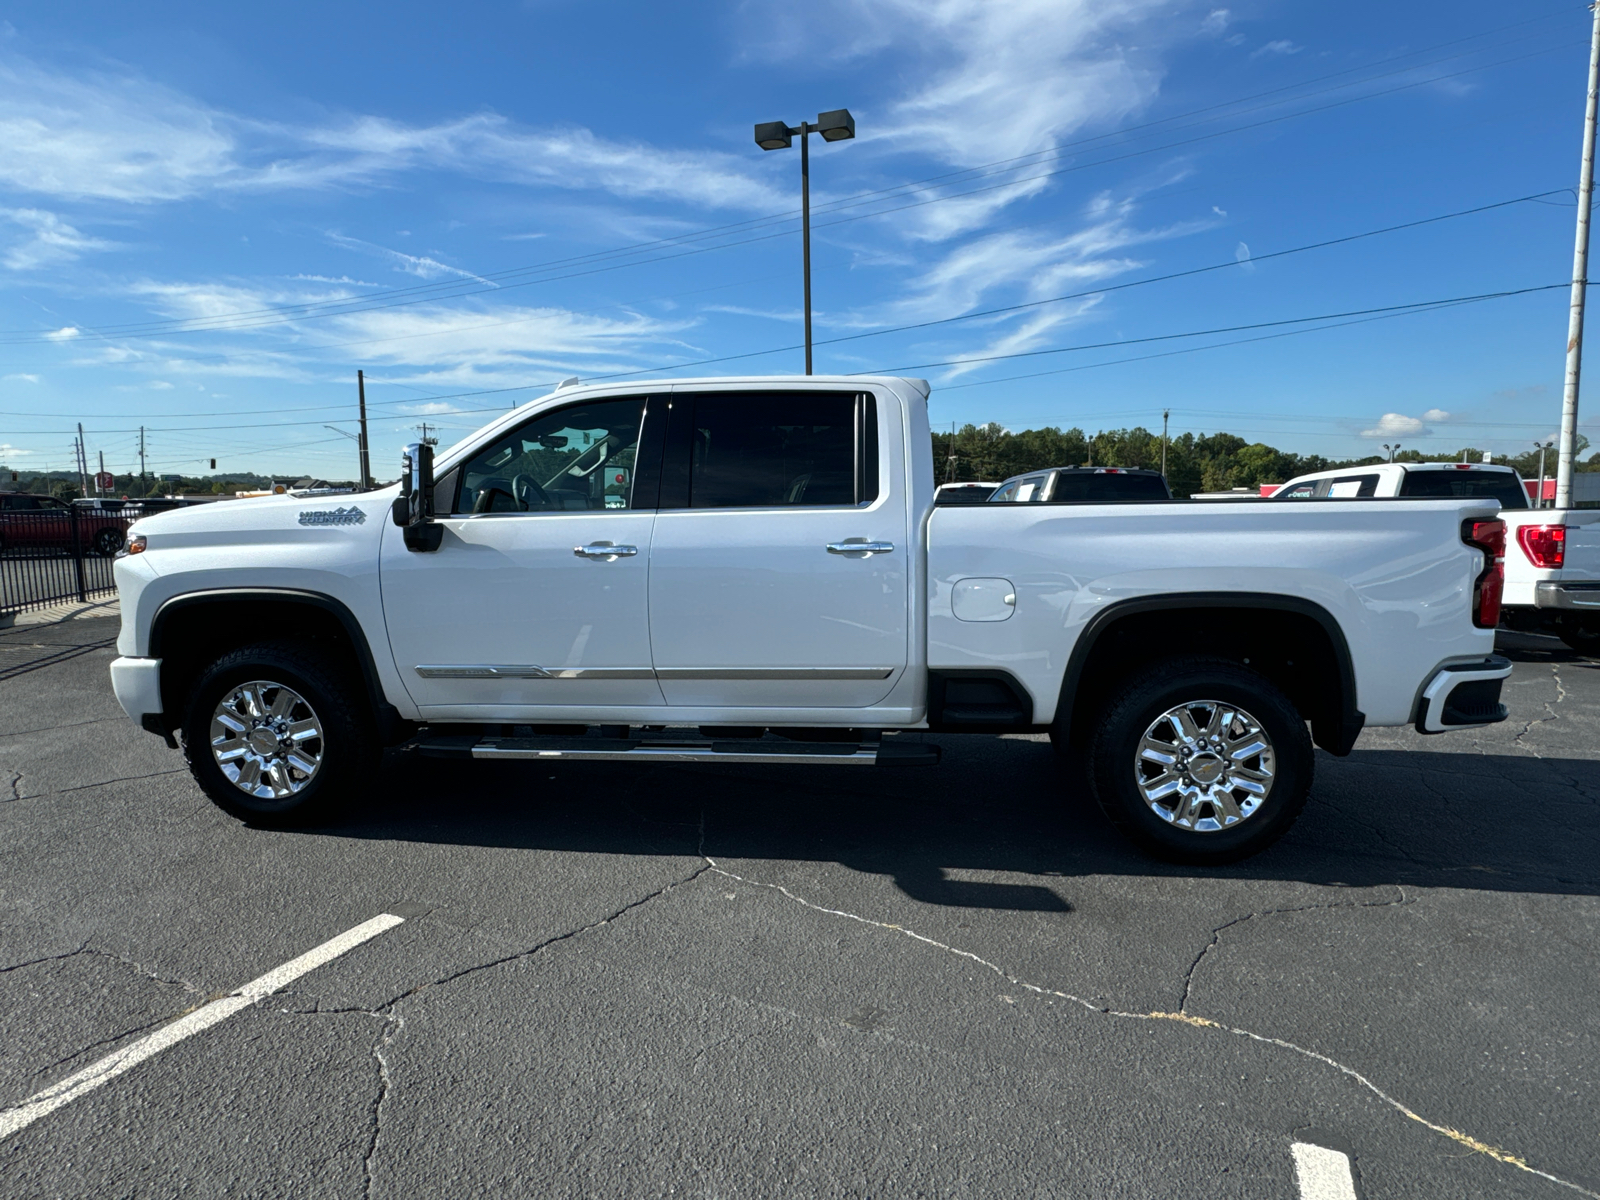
<point>53,555</point>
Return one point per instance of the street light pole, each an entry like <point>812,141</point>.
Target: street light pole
<point>835,126</point>
<point>1580,280</point>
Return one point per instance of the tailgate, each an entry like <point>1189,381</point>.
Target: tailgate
<point>1583,545</point>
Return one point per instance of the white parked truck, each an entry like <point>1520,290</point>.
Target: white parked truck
<point>754,571</point>
<point>1552,572</point>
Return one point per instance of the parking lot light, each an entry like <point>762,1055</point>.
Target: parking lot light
<point>835,126</point>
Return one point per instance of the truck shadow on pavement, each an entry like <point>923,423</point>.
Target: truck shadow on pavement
<point>1002,825</point>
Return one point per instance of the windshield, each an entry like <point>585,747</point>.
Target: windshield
<point>1451,484</point>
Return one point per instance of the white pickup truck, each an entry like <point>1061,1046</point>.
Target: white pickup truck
<point>754,571</point>
<point>1552,573</point>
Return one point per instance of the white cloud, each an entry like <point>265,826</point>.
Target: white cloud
<point>413,264</point>
<point>110,136</point>
<point>24,378</point>
<point>1216,22</point>
<point>65,334</point>
<point>1436,414</point>
<point>1281,46</point>
<point>994,80</point>
<point>460,343</point>
<point>1039,264</point>
<point>8,451</point>
<point>1396,425</point>
<point>1241,255</point>
<point>103,136</point>
<point>46,239</point>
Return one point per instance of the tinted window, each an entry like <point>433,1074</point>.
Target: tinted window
<point>773,449</point>
<point>1089,487</point>
<point>1349,487</point>
<point>1005,493</point>
<point>1452,484</point>
<point>1301,491</point>
<point>25,503</point>
<point>574,459</point>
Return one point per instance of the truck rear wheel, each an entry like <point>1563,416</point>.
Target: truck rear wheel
<point>275,735</point>
<point>1584,636</point>
<point>1201,760</point>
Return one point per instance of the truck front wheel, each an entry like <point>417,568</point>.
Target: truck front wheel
<point>1201,760</point>
<point>275,734</point>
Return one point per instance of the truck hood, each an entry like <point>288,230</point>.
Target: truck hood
<point>270,519</point>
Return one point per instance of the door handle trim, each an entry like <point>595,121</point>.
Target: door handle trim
<point>605,550</point>
<point>860,547</point>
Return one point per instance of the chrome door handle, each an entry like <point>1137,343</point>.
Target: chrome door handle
<point>860,546</point>
<point>605,550</point>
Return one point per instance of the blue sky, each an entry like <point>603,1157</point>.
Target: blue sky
<point>212,215</point>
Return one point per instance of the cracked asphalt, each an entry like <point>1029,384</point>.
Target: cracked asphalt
<point>741,981</point>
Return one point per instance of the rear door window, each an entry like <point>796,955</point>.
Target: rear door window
<point>1353,487</point>
<point>772,450</point>
<point>1091,487</point>
<point>1451,484</point>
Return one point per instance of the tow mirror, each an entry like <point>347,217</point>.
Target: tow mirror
<point>413,508</point>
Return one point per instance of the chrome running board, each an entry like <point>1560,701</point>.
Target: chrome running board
<point>668,749</point>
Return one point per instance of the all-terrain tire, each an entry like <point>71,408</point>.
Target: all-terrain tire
<point>1122,770</point>
<point>326,724</point>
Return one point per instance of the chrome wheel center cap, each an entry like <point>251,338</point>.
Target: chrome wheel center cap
<point>264,741</point>
<point>1206,768</point>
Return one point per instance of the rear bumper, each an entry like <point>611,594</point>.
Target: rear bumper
<point>1462,696</point>
<point>137,683</point>
<point>1552,593</point>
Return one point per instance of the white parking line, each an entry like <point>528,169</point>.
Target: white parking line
<point>130,1056</point>
<point>1323,1174</point>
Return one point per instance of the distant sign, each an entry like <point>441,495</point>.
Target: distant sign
<point>105,481</point>
<point>171,478</point>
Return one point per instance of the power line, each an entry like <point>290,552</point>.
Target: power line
<point>1395,309</point>
<point>1418,306</point>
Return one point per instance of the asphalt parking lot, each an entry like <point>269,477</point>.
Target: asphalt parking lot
<point>623,980</point>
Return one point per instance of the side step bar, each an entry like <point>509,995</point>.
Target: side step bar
<point>889,752</point>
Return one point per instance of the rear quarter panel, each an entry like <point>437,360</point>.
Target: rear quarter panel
<point>1395,576</point>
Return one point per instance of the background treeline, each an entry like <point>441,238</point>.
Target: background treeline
<point>64,484</point>
<point>1207,462</point>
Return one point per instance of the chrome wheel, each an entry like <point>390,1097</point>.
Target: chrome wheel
<point>1204,766</point>
<point>266,740</point>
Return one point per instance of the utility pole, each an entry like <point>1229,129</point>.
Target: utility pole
<point>1580,280</point>
<point>97,487</point>
<point>83,465</point>
<point>950,462</point>
<point>426,439</point>
<point>366,468</point>
<point>142,488</point>
<point>1165,413</point>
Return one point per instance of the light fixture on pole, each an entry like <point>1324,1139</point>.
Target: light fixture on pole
<point>835,126</point>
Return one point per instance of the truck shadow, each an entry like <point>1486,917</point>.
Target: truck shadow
<point>1005,807</point>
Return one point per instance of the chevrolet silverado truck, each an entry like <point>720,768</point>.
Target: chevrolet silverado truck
<point>1552,573</point>
<point>754,571</point>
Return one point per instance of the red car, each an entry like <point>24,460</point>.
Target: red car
<point>28,522</point>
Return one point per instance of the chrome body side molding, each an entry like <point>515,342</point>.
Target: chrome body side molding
<point>531,671</point>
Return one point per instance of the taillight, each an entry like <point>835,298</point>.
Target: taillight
<point>1545,545</point>
<point>1490,537</point>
